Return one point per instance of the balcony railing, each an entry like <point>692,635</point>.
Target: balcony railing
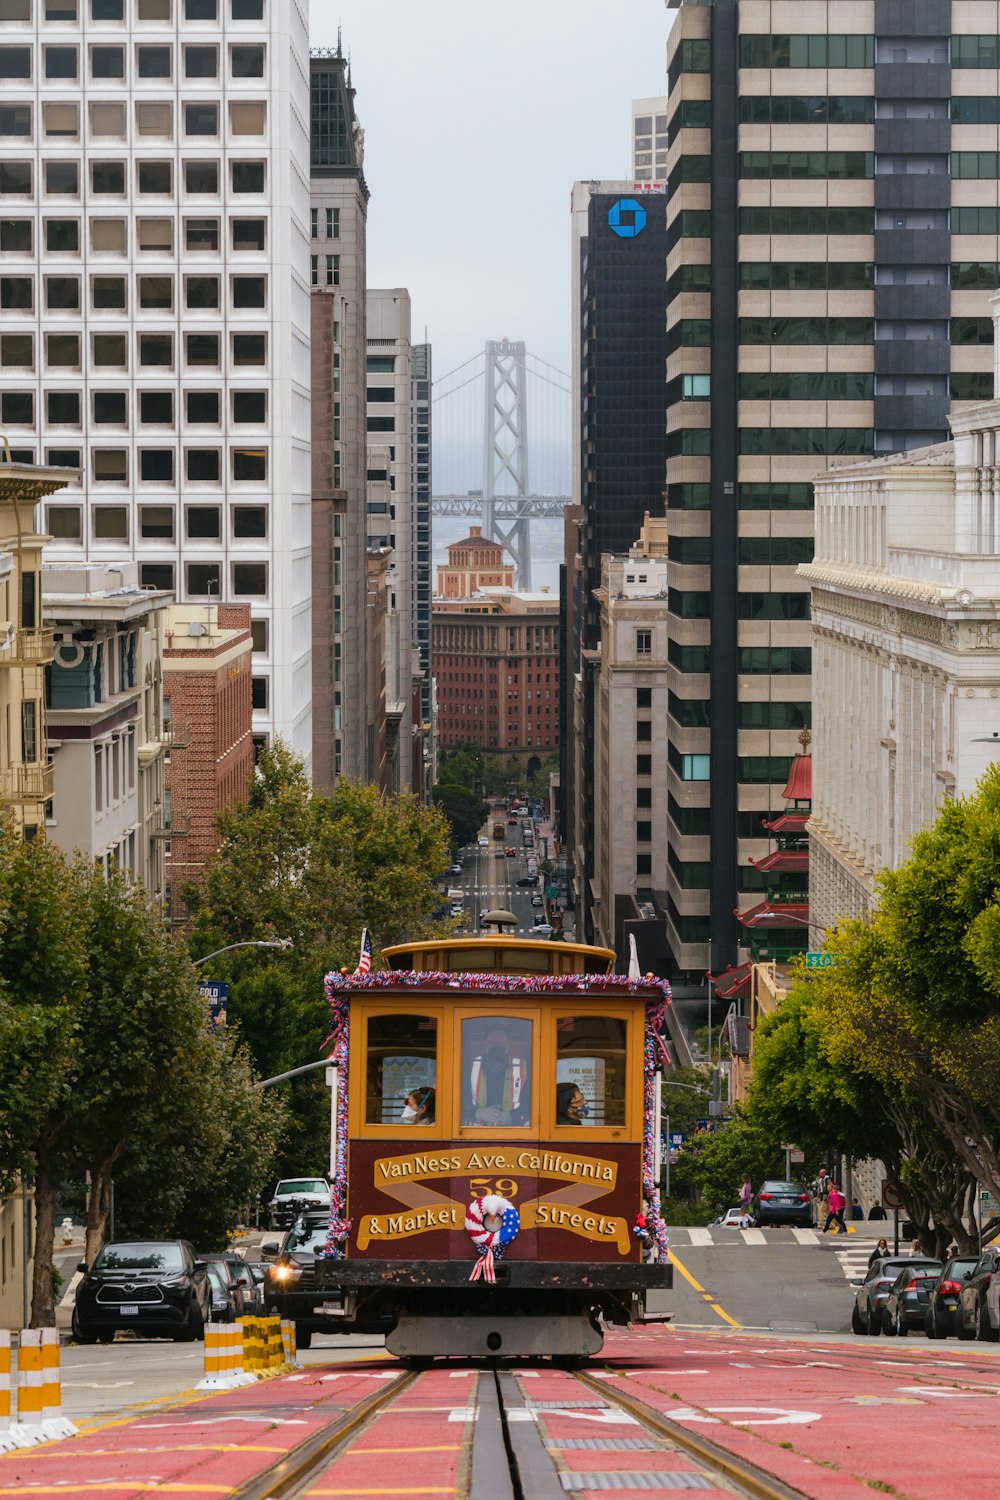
<point>20,784</point>
<point>29,648</point>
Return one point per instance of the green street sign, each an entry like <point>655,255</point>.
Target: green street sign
<point>822,960</point>
<point>552,892</point>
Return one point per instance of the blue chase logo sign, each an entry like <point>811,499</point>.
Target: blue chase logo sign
<point>626,218</point>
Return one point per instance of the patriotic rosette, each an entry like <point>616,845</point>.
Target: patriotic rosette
<point>492,1223</point>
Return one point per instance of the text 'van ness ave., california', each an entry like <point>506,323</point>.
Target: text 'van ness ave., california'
<point>544,1163</point>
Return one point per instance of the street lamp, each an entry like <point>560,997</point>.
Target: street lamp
<point>276,943</point>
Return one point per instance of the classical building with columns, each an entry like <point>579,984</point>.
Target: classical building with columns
<point>906,652</point>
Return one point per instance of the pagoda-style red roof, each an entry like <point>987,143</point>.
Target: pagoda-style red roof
<point>768,914</point>
<point>800,780</point>
<point>783,861</point>
<point>732,984</point>
<point>787,823</point>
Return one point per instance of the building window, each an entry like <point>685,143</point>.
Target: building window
<point>249,465</point>
<point>17,408</point>
<point>155,177</point>
<point>644,643</point>
<point>110,351</point>
<point>258,635</point>
<point>202,407</point>
<point>64,522</point>
<point>154,62</point>
<point>250,578</point>
<point>248,117</point>
<point>15,179</point>
<point>62,179</point>
<point>156,522</point>
<point>247,176</point>
<point>203,465</point>
<point>249,348</point>
<point>107,178</point>
<point>110,523</point>
<point>16,237</point>
<point>156,465</point>
<point>250,406</point>
<point>202,349</point>
<point>156,575</point>
<point>201,293</point>
<point>201,177</point>
<point>110,409</point>
<point>695,767</point>
<point>201,62</point>
<point>314,223</point>
<point>203,523</point>
<point>62,409</point>
<point>250,521</point>
<point>249,234</point>
<point>258,692</point>
<point>333,270</point>
<point>249,291</point>
<point>203,579</point>
<point>156,350</point>
<point>333,223</point>
<point>201,119</point>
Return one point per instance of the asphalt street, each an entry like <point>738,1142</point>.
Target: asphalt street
<point>489,878</point>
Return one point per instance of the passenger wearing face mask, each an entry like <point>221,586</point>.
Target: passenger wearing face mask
<point>571,1106</point>
<point>418,1108</point>
<point>499,1091</point>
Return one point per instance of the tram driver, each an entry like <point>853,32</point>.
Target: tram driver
<point>498,1085</point>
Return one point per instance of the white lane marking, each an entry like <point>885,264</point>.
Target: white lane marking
<point>360,1375</point>
<point>760,1416</point>
<point>701,1236</point>
<point>936,1390</point>
<point>94,1385</point>
<point>805,1236</point>
<point>753,1236</point>
<point>66,1300</point>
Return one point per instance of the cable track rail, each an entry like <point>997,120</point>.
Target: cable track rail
<point>511,1458</point>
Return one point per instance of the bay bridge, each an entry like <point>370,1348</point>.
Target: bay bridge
<point>484,411</point>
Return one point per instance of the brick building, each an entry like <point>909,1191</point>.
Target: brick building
<point>496,666</point>
<point>474,563</point>
<point>207,670</point>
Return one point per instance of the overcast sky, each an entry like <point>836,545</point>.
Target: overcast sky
<point>478,118</point>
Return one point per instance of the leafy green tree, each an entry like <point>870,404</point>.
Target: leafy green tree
<point>43,974</point>
<point>216,1151</point>
<point>711,1164</point>
<point>462,768</point>
<point>465,811</point>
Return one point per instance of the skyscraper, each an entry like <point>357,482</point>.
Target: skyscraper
<point>832,216</point>
<point>154,256</point>
<point>619,358</point>
<point>338,270</point>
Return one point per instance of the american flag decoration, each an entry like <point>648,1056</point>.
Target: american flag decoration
<point>365,960</point>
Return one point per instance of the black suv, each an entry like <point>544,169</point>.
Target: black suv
<point>290,1284</point>
<point>155,1287</point>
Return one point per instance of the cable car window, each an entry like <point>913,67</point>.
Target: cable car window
<point>590,1070</point>
<point>496,1070</point>
<point>402,1070</point>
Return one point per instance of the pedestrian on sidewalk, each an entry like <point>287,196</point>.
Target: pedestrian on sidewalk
<point>835,1204</point>
<point>746,1201</point>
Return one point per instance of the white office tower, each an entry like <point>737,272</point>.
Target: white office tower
<point>154,264</point>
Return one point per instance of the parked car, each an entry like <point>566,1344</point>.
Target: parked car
<point>909,1298</point>
<point>977,1312</point>
<point>528,880</point>
<point>778,1202</point>
<point>227,1294</point>
<point>939,1320</point>
<point>294,1194</point>
<point>244,1289</point>
<point>874,1288</point>
<point>729,1220</point>
<point>155,1287</point>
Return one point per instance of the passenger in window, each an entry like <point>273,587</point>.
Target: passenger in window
<point>498,1084</point>
<point>571,1106</point>
<point>418,1108</point>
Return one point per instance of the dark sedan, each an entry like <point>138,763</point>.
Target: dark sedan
<point>873,1289</point>
<point>976,1314</point>
<point>909,1298</point>
<point>783,1203</point>
<point>154,1287</point>
<point>939,1320</point>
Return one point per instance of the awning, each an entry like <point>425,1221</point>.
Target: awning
<point>733,984</point>
<point>787,823</point>
<point>783,861</point>
<point>774,914</point>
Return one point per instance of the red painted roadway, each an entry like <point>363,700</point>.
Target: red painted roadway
<point>830,1417</point>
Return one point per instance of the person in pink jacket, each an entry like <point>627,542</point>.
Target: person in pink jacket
<point>835,1204</point>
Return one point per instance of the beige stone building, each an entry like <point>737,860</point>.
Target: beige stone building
<point>16,1260</point>
<point>630,737</point>
<point>104,711</point>
<point>25,644</point>
<point>906,631</point>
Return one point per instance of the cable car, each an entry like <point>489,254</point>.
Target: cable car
<point>497,1161</point>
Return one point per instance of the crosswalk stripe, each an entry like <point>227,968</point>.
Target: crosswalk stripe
<point>700,1237</point>
<point>805,1236</point>
<point>753,1236</point>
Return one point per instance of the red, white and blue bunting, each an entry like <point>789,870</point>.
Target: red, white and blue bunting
<point>537,984</point>
<point>490,1239</point>
<point>655,1053</point>
<point>340,1036</point>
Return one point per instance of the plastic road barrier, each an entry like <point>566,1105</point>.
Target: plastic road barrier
<point>39,1389</point>
<point>224,1358</point>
